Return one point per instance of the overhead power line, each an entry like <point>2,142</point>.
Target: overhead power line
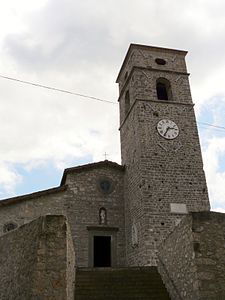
<point>207,124</point>
<point>81,95</point>
<point>57,90</point>
<point>217,129</point>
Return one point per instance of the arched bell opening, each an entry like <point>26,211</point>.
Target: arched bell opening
<point>163,89</point>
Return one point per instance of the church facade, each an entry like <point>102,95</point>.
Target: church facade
<point>120,215</point>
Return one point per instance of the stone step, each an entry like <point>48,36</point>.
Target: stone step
<point>119,283</point>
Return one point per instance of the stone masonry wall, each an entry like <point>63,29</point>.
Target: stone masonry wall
<point>145,58</point>
<point>142,85</point>
<point>209,240</point>
<point>83,210</point>
<point>17,260</point>
<point>30,207</point>
<point>159,173</point>
<point>176,262</point>
<point>80,200</point>
<point>71,268</point>
<point>193,256</point>
<point>53,276</point>
<point>34,261</point>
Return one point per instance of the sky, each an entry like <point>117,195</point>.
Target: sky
<point>79,46</point>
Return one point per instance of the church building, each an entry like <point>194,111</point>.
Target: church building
<point>151,214</point>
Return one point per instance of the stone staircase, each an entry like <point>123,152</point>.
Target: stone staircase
<point>139,283</point>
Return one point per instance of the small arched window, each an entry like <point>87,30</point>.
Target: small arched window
<point>127,102</point>
<point>163,89</point>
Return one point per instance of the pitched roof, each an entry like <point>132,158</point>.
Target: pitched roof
<point>104,163</point>
<point>62,187</point>
<point>32,195</point>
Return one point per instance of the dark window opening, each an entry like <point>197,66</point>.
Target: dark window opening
<point>105,185</point>
<point>163,89</point>
<point>160,61</point>
<point>102,251</point>
<point>127,102</point>
<point>196,247</point>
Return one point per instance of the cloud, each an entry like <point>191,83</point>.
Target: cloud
<point>79,46</point>
<point>9,178</point>
<point>213,147</point>
<point>214,155</point>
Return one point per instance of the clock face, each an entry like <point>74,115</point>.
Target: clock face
<point>168,129</point>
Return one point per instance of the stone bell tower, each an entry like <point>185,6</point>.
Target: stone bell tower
<point>164,177</point>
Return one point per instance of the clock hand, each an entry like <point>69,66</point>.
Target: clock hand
<point>166,131</point>
<point>173,128</point>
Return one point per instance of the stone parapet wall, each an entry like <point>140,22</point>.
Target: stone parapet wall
<point>176,259</point>
<point>70,270</point>
<point>52,277</point>
<point>18,260</point>
<point>37,261</point>
<point>193,257</point>
<point>209,247</point>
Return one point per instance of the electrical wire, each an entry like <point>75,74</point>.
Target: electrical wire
<point>82,95</point>
<point>205,127</point>
<point>208,124</point>
<point>57,90</point>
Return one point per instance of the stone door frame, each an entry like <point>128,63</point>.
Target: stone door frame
<point>102,231</point>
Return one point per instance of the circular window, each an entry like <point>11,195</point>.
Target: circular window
<point>105,185</point>
<point>160,61</point>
